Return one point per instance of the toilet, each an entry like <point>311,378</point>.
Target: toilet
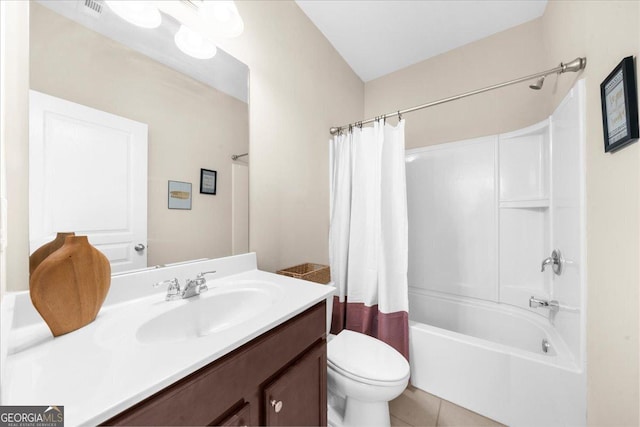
<point>363,375</point>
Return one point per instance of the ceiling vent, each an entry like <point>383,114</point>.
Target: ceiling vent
<point>193,4</point>
<point>93,8</point>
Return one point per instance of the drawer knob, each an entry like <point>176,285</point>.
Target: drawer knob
<point>277,405</point>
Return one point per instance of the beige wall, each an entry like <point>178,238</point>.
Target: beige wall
<point>300,87</point>
<point>191,126</point>
<point>604,32</point>
<point>16,138</point>
<point>495,59</point>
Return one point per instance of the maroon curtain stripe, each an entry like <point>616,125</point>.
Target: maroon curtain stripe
<point>392,328</point>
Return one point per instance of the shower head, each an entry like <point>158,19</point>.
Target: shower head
<point>538,84</point>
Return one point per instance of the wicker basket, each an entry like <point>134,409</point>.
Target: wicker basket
<point>312,272</point>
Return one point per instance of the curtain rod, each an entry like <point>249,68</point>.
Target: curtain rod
<point>573,66</point>
<point>237,156</point>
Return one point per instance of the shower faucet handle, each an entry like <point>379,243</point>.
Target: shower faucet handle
<point>555,260</point>
<point>546,262</point>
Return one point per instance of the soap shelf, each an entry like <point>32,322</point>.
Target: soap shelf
<point>524,204</point>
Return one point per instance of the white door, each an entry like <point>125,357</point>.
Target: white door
<point>88,174</point>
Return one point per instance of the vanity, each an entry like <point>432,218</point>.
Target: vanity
<point>249,351</point>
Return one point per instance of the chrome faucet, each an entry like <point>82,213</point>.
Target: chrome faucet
<point>540,303</point>
<point>197,286</point>
<point>191,288</point>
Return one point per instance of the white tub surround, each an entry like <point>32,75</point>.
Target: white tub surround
<point>483,215</point>
<point>99,370</point>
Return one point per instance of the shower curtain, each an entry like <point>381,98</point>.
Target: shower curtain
<point>368,243</point>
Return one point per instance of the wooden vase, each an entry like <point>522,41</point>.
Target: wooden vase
<point>45,250</point>
<point>70,285</point>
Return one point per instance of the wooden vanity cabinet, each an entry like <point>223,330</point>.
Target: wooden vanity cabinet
<point>279,378</point>
<point>289,400</point>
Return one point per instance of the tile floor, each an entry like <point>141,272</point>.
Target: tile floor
<point>415,408</point>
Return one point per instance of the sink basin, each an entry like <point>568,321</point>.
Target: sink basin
<point>211,312</point>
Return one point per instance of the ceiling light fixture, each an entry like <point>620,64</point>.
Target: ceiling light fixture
<point>194,44</point>
<point>214,19</point>
<point>201,21</point>
<point>143,14</point>
<point>224,16</point>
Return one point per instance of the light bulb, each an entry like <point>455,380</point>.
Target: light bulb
<point>194,44</point>
<point>223,16</point>
<point>141,13</point>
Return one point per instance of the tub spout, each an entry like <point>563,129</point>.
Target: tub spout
<point>538,303</point>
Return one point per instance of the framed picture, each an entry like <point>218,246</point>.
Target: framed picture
<point>179,195</point>
<point>208,179</point>
<point>619,99</point>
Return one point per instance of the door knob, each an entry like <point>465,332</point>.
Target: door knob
<point>139,247</point>
<point>277,405</point>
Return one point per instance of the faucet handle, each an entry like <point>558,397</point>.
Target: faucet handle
<point>546,262</point>
<point>555,260</point>
<point>171,282</point>
<point>202,282</point>
<point>204,273</point>
<point>173,290</point>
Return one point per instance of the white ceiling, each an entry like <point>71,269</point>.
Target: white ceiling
<point>382,36</point>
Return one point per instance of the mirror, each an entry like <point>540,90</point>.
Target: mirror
<point>196,112</point>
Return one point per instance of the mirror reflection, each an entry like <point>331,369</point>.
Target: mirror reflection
<point>192,114</point>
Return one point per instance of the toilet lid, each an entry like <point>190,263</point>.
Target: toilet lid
<point>366,358</point>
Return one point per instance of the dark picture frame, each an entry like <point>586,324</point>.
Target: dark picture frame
<point>208,181</point>
<point>179,195</point>
<point>619,98</point>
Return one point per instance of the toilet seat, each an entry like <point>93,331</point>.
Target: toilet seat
<point>366,359</point>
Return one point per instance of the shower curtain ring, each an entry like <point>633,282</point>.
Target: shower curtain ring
<point>399,116</point>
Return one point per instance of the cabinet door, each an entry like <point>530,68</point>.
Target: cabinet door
<point>298,397</point>
<point>242,417</point>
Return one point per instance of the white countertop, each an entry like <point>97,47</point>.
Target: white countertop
<point>102,369</point>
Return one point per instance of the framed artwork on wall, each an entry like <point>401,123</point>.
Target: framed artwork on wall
<point>619,97</point>
<point>208,181</point>
<point>179,195</point>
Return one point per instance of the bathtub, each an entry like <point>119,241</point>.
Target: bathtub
<point>490,358</point>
